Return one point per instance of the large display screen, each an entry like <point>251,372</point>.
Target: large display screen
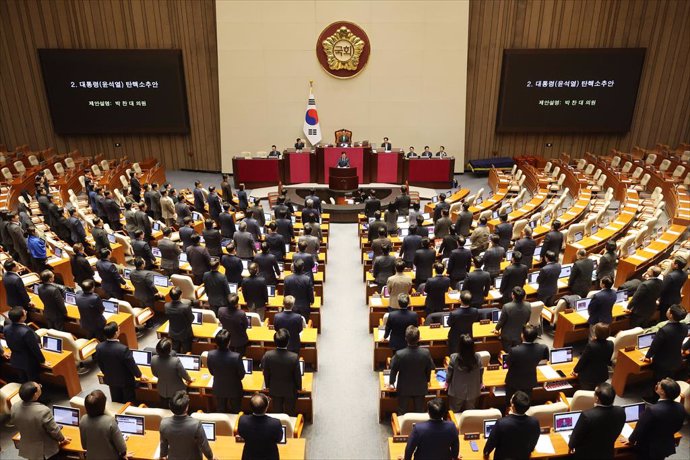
<point>569,90</point>
<point>115,91</point>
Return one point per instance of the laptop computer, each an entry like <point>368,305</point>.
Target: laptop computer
<point>111,238</point>
<point>478,201</point>
<point>58,252</point>
<point>209,430</point>
<point>546,219</point>
<point>130,424</point>
<point>160,280</point>
<point>633,411</point>
<point>110,308</point>
<point>488,427</point>
<point>126,272</point>
<point>233,288</point>
<point>565,271</point>
<point>301,367</point>
<point>564,423</point>
<point>271,290</point>
<point>157,252</point>
<point>578,236</point>
<point>581,306</point>
<point>645,340</point>
<point>444,320</point>
<point>509,255</point>
<point>533,224</point>
<point>156,226</point>
<point>68,416</point>
<point>508,210</point>
<point>621,296</point>
<point>142,357</point>
<point>283,440</point>
<point>34,288</point>
<point>53,344</point>
<point>197,316</point>
<point>495,316</point>
<point>561,355</point>
<point>537,251</point>
<point>190,362</point>
<point>497,282</point>
<point>197,216</point>
<point>248,364</point>
<point>532,278</point>
<point>70,298</point>
<point>434,199</point>
<point>183,258</point>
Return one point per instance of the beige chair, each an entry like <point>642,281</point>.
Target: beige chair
<point>49,175</point>
<point>516,187</point>
<point>547,167</point>
<point>651,159</point>
<point>581,163</point>
<point>551,314</point>
<point>572,230</point>
<point>402,425</point>
<point>254,319</point>
<point>185,283</point>
<point>642,186</point>
<point>519,198</point>
<point>599,184</point>
<point>124,241</point>
<point>556,171</point>
<point>624,339</point>
<point>152,416</point>
<point>597,174</point>
<point>82,181</point>
<point>535,315</point>
<point>33,161</point>
<point>20,168</point>
<point>59,169</point>
<point>486,214</point>
<point>82,349</point>
<point>556,187</point>
<point>7,174</point>
<point>544,412</point>
<point>665,164</point>
<point>105,166</point>
<point>581,400</point>
<point>627,166</point>
<point>9,395</point>
<point>208,316</point>
<point>141,315</point>
<point>123,181</point>
<point>69,163</point>
<point>678,172</point>
<point>226,424</point>
<point>293,425</point>
<point>589,169</point>
<point>472,421</point>
<point>615,162</point>
<point>96,170</point>
<point>137,168</point>
<point>518,226</point>
<point>479,194</point>
<point>111,407</point>
<point>484,357</point>
<point>684,397</point>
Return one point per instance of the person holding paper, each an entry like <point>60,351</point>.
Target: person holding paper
<point>598,428</point>
<point>514,436</point>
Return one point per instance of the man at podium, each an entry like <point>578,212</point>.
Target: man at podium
<point>344,161</point>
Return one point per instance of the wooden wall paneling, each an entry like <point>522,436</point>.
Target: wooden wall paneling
<point>185,24</point>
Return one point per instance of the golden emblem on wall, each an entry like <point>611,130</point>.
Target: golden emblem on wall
<point>343,49</point>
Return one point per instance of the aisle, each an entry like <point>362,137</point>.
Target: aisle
<point>345,389</point>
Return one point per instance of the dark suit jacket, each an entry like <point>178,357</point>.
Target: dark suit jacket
<point>281,373</point>
<point>227,224</point>
<point>653,434</point>
<point>233,268</point>
<point>236,322</point>
<point>491,261</point>
<point>142,249</point>
<point>513,437</point>
<point>91,313</point>
<point>227,370</point>
<point>199,200</point>
<point>186,236</point>
<point>460,322</point>
<point>373,230</point>
<point>526,246</point>
<point>261,434</point>
<point>371,205</point>
<point>254,292</point>
<point>402,203</point>
<point>23,341</point>
<point>435,439</point>
<point>53,300</point>
<point>548,281</point>
<point>212,239</point>
<point>592,368</point>
<point>144,289</point>
<point>607,265</point>
<point>217,288</point>
<point>182,210</point>
<point>268,267</point>
<point>665,348</point>
<point>397,322</point>
<point>116,363</point>
<point>643,302</point>
<point>522,365</point>
<point>214,206</point>
<point>384,267</point>
<point>580,281</point>
<point>440,206</point>
<point>15,290</point>
<point>459,263</point>
<point>81,268</point>
<point>478,283</point>
<point>435,289</point>
<point>100,238</point>
<point>285,228</point>
<point>553,241</point>
<point>112,210</point>
<point>302,288</point>
<point>276,245</point>
<point>111,280</point>
<point>170,254</point>
<point>464,223</point>
<point>411,368</point>
<point>199,258</point>
<point>505,231</point>
<point>242,199</point>
<point>513,318</point>
<point>244,242</point>
<point>410,245</point>
<point>424,264</point>
<point>514,275</point>
<point>77,232</point>
<point>180,317</point>
<point>671,286</point>
<point>291,321</point>
<point>143,223</point>
<point>601,306</point>
<point>596,432</point>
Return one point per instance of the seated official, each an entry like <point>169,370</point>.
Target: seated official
<point>514,436</point>
<point>427,153</point>
<point>411,367</point>
<point>344,161</point>
<point>299,144</point>
<point>261,433</point>
<point>441,152</point>
<point>412,153</point>
<point>274,153</point>
<point>437,438</point>
<point>386,145</point>
<point>100,436</point>
<point>181,436</point>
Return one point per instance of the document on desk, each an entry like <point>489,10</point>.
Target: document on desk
<point>626,431</point>
<point>382,333</point>
<point>376,302</point>
<point>544,445</point>
<point>549,372</point>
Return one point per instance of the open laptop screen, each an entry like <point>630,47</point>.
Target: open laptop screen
<point>130,424</point>
<point>66,415</point>
<point>53,344</point>
<point>561,355</point>
<point>190,362</point>
<point>565,421</point>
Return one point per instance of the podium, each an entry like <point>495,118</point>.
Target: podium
<point>343,179</point>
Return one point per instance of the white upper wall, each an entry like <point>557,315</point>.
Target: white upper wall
<point>412,89</point>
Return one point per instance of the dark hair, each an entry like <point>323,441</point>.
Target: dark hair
<point>436,408</point>
<point>601,331</point>
<point>680,262</point>
<point>88,285</point>
<point>259,403</point>
<point>298,266</point>
<point>110,329</point>
<point>495,239</point>
<point>551,256</point>
<point>670,388</point>
<point>412,335</point>
<point>465,297</point>
<point>399,265</point>
<point>281,337</point>
<point>556,224</point>
<point>233,301</point>
<point>438,268</point>
<point>15,315</point>
<point>607,282</point>
<point>164,347</point>
<point>27,391</point>
<point>222,339</point>
<point>403,301</point>
<point>518,294</point>
<point>529,333</point>
<point>520,402</point>
<point>466,353</point>
<point>254,269</point>
<point>215,263</point>
<point>195,239</point>
<point>677,312</point>
<point>46,276</point>
<point>482,220</point>
<point>208,224</point>
<point>179,402</point>
<point>138,233</point>
<point>605,393</point>
<point>9,265</point>
<point>175,293</point>
<point>167,231</point>
<point>104,254</point>
<point>517,257</point>
<point>94,403</point>
<point>139,263</point>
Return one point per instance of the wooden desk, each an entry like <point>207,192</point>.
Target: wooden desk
<point>573,327</point>
<point>525,211</point>
<point>629,368</point>
<point>58,369</point>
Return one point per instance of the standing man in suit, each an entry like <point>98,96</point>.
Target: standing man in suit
<point>608,262</point>
<point>376,226</point>
<point>653,436</point>
<point>142,249</point>
<point>436,438</point>
<point>398,284</point>
<point>232,264</point>
<point>282,374</point>
<point>493,257</point>
<point>600,308</point>
<point>99,433</point>
<point>598,428</point>
<point>463,224</point>
<point>291,322</point>
<point>15,290</point>
<point>130,218</point>
<point>440,206</point>
<point>170,253</point>
<point>226,188</point>
<point>260,432</point>
<point>242,198</point>
<point>672,286</point>
<point>199,199</point>
<point>53,298</point>
<point>643,304</point>
<point>167,208</point>
<point>181,436</point>
<point>180,317</point>
<point>268,264</point>
<point>135,186</point>
<point>228,371</point>
<point>143,221</point>
<point>145,290</point>
<point>235,321</point>
<point>284,227</point>
<point>398,322</point>
<point>665,351</point>
<point>514,316</point>
<point>100,236</point>
<point>254,290</point>
<point>112,210</point>
<point>384,266</point>
<point>91,311</point>
<point>460,321</point>
<point>410,244</point>
<point>182,211</point>
<point>523,360</point>
<point>212,238</point>
<point>516,435</point>
<point>199,258</point>
<point>226,222</point>
<point>411,367</point>
<point>214,205</point>
<point>111,280</point>
<point>244,242</point>
<point>515,275</point>
<point>480,238</point>
<point>526,245</point>
<point>371,204</point>
<point>117,365</point>
<point>459,262</point>
<point>423,261</point>
<point>26,355</point>
<point>377,244</point>
<point>504,230</point>
<point>301,287</point>
<point>478,283</point>
<point>443,224</point>
<point>593,366</point>
<point>168,369</point>
<point>553,241</point>
<point>40,437</point>
<point>81,267</point>
<point>436,288</point>
<point>580,281</point>
<point>386,145</point>
<point>403,201</point>
<point>186,232</point>
<point>217,289</point>
<point>77,232</point>
<point>548,279</point>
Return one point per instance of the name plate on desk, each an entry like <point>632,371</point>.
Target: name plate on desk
<point>630,348</point>
<point>493,367</point>
<point>568,310</point>
<point>434,326</point>
<point>484,321</point>
<point>471,436</point>
<point>400,439</point>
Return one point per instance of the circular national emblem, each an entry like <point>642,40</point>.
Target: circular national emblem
<point>343,49</point>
